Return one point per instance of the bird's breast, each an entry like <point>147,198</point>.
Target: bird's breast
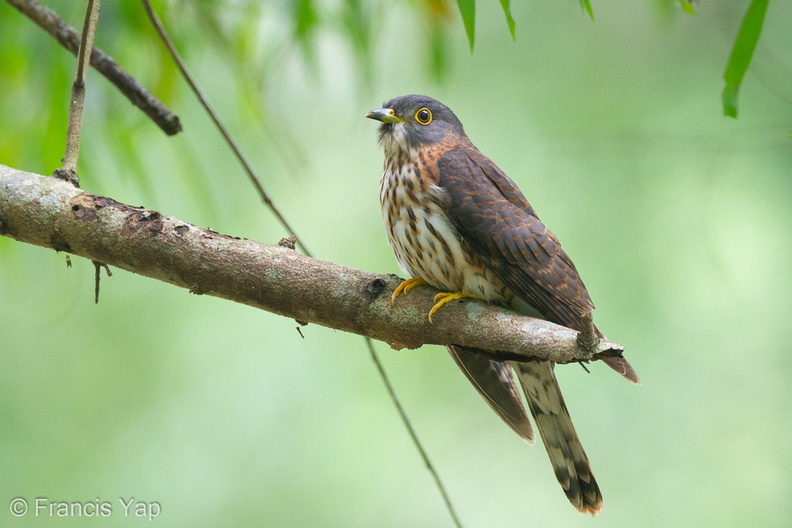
<point>423,237</point>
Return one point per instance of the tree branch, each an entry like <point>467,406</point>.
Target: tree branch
<point>52,213</point>
<point>69,38</point>
<point>68,171</point>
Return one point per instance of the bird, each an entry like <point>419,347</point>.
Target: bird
<point>458,223</point>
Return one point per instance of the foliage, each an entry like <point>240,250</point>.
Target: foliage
<point>742,52</point>
<point>738,63</point>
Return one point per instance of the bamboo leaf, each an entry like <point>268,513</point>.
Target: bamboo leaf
<point>586,5</point>
<point>506,4</point>
<point>741,54</point>
<point>467,8</point>
<point>687,6</point>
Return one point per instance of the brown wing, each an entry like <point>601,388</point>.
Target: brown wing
<point>493,216</point>
<point>498,223</point>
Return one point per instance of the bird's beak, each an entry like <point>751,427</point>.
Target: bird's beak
<point>386,115</point>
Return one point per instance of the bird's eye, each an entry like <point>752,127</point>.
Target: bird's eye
<point>423,116</point>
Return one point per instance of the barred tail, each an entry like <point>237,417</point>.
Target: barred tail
<point>569,460</point>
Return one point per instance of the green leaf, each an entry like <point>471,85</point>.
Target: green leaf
<point>741,54</point>
<point>506,4</point>
<point>687,6</point>
<point>304,19</point>
<point>467,8</point>
<point>586,5</point>
<point>355,20</point>
<point>438,54</point>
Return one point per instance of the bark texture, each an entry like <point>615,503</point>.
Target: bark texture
<point>49,212</point>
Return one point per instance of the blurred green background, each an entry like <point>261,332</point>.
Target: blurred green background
<point>679,220</point>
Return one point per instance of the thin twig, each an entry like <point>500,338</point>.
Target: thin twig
<point>68,170</point>
<point>413,435</point>
<point>155,21</point>
<point>69,38</point>
<point>87,40</point>
<point>97,275</point>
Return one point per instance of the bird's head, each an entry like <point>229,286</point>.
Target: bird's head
<point>411,122</point>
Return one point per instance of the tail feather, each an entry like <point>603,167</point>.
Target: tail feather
<point>619,364</point>
<point>623,367</point>
<point>495,382</point>
<point>569,460</point>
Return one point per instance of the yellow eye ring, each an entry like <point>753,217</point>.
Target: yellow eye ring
<point>423,116</point>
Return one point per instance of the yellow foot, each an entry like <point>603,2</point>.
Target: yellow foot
<point>406,286</point>
<point>442,299</point>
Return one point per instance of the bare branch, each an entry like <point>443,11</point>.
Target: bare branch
<point>51,213</point>
<point>68,171</point>
<point>66,35</point>
<point>97,276</point>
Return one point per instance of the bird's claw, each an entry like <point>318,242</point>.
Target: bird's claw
<point>443,298</point>
<point>406,286</point>
<point>440,300</point>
